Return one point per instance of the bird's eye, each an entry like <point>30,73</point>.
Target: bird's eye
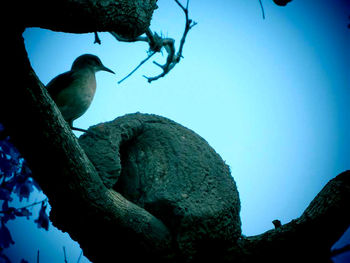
<point>97,62</point>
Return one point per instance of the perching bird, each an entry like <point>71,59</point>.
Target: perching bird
<point>74,90</point>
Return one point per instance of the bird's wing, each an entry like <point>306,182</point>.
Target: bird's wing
<point>60,82</point>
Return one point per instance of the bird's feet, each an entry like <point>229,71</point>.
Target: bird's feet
<point>87,132</point>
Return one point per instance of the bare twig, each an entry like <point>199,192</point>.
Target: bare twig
<point>262,9</point>
<point>81,253</point>
<point>338,251</point>
<point>65,256</point>
<point>189,25</point>
<point>169,46</point>
<point>142,62</point>
<point>156,43</point>
<point>33,204</point>
<point>79,129</point>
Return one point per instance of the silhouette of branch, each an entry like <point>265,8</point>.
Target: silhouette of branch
<point>65,256</point>
<point>173,59</point>
<point>338,251</point>
<point>156,43</point>
<point>33,204</point>
<point>262,9</point>
<point>81,253</point>
<point>141,63</point>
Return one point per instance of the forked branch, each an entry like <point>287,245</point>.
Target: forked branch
<point>156,43</point>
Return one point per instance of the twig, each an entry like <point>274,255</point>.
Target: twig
<point>262,9</point>
<point>338,251</point>
<point>142,62</point>
<point>79,129</point>
<point>156,43</point>
<point>81,253</point>
<point>173,59</point>
<point>33,204</point>
<point>37,257</point>
<point>65,256</point>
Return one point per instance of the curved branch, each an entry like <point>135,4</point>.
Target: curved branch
<point>156,43</point>
<point>81,203</point>
<point>308,238</point>
<point>262,9</point>
<point>168,43</point>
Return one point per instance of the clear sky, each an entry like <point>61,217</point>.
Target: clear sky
<point>270,96</point>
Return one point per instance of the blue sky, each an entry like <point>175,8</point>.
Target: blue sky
<point>270,96</point>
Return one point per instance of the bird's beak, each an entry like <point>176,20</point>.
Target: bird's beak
<point>106,69</point>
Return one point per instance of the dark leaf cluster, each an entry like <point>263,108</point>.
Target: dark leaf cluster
<point>15,179</point>
<point>14,173</point>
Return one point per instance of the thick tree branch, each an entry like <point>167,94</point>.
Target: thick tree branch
<point>81,204</point>
<point>104,222</point>
<point>129,18</point>
<point>308,238</point>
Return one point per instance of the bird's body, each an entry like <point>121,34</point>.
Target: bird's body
<point>74,90</point>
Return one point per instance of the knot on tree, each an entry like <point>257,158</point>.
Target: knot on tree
<point>171,172</point>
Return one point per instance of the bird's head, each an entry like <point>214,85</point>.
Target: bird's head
<point>89,61</point>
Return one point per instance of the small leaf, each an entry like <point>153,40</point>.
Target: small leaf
<point>25,170</point>
<point>24,190</point>
<point>23,187</point>
<point>5,236</point>
<point>43,219</point>
<point>5,194</point>
<point>9,212</point>
<point>4,258</point>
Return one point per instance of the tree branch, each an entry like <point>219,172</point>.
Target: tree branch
<point>130,18</point>
<point>65,255</point>
<point>338,251</point>
<point>66,175</point>
<point>141,63</point>
<point>26,206</point>
<point>308,238</point>
<point>94,214</point>
<point>173,59</point>
<point>156,43</point>
<point>262,9</point>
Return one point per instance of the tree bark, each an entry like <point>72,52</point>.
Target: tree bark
<point>75,191</point>
<point>88,206</point>
<point>128,18</point>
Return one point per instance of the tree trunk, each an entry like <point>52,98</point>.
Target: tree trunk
<point>129,214</point>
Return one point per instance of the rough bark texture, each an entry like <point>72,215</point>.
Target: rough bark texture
<point>128,18</point>
<point>156,196</point>
<point>172,173</point>
<point>80,201</point>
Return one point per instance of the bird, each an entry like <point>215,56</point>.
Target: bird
<point>74,90</point>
